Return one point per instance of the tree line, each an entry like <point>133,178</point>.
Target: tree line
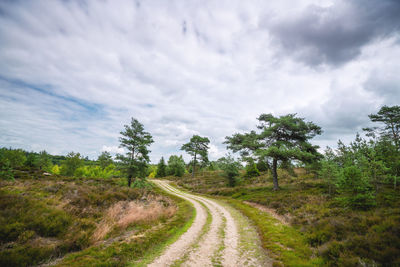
<point>355,171</point>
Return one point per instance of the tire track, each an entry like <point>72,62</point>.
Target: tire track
<point>177,249</point>
<point>218,246</point>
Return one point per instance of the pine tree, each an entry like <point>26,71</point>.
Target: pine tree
<point>136,141</point>
<point>198,149</point>
<point>283,138</point>
<point>161,168</point>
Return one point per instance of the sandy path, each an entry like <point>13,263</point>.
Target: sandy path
<point>177,249</point>
<point>202,255</point>
<point>212,247</point>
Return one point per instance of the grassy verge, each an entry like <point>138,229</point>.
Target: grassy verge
<point>43,218</point>
<point>86,222</point>
<point>185,208</point>
<point>142,249</point>
<point>286,245</point>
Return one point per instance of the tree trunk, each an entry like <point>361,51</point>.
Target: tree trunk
<point>330,186</point>
<point>194,165</point>
<point>275,174</point>
<point>129,181</point>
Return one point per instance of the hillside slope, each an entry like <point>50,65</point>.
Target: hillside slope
<point>74,222</point>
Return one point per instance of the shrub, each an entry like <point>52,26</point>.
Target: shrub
<point>231,170</point>
<point>176,166</point>
<point>251,170</point>
<point>50,223</point>
<point>15,157</point>
<point>161,168</point>
<point>331,252</point>
<point>55,169</point>
<point>262,165</point>
<point>6,172</point>
<point>355,189</point>
<point>72,162</point>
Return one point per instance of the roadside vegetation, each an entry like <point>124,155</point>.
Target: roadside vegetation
<point>43,218</point>
<point>344,203</point>
<point>340,207</point>
<point>72,211</point>
<point>340,235</point>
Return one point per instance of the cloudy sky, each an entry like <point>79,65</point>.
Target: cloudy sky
<point>72,73</point>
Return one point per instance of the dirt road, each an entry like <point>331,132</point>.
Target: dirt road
<point>219,236</point>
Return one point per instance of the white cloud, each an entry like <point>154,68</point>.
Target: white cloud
<point>215,152</point>
<point>70,79</point>
<point>113,149</point>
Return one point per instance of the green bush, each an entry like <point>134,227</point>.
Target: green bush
<point>262,165</point>
<point>231,170</point>
<point>72,162</point>
<point>13,157</point>
<point>355,189</point>
<point>22,214</point>
<point>24,256</point>
<point>176,166</point>
<point>251,170</point>
<point>161,168</point>
<point>6,172</point>
<point>331,253</point>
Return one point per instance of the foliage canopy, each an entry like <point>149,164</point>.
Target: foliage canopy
<point>136,141</point>
<point>283,138</point>
<point>197,147</point>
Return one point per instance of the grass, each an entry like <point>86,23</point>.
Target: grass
<point>141,250</point>
<point>181,226</point>
<point>285,244</point>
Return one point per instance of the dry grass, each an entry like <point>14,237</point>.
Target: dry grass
<point>125,213</point>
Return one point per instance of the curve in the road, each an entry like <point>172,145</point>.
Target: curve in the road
<point>220,245</point>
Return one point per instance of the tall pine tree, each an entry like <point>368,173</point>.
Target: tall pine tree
<point>136,141</point>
